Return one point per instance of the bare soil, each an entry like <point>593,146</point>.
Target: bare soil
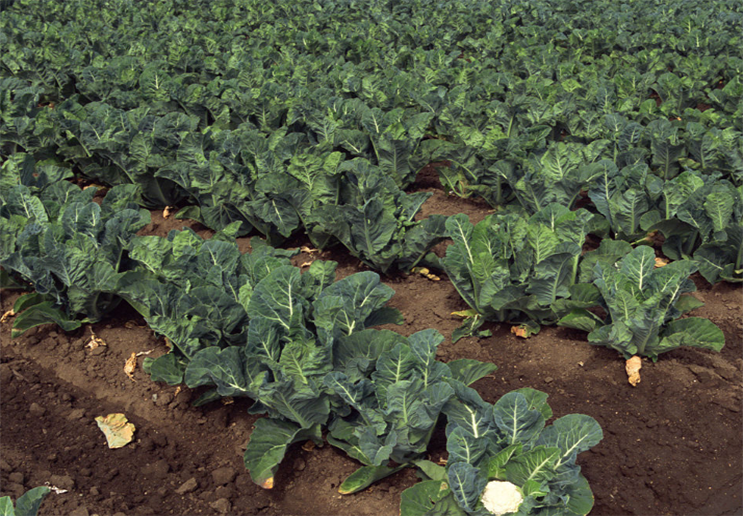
<point>673,445</point>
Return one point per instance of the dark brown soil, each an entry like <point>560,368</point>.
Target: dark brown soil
<point>673,445</point>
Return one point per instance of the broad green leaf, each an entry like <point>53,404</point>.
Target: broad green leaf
<point>393,366</point>
<point>268,444</point>
<point>432,470</point>
<point>580,499</point>
<point>27,301</point>
<point>43,313</point>
<point>166,368</point>
<point>420,499</point>
<point>468,371</point>
<point>224,368</point>
<point>277,298</point>
<point>282,397</point>
<point>693,332</point>
<point>537,464</point>
<point>366,476</point>
<point>580,319</point>
<point>638,266</point>
<point>464,447</point>
<point>28,504</point>
<point>6,506</point>
<point>467,484</point>
<point>572,434</point>
<point>516,420</point>
<point>496,464</point>
<point>467,409</point>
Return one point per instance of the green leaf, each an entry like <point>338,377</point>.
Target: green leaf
<point>432,470</point>
<point>572,434</point>
<point>6,506</point>
<point>366,476</point>
<point>43,313</point>
<point>468,328</point>
<point>537,400</point>
<point>166,368</point>
<point>277,297</point>
<point>694,332</point>
<point>639,265</point>
<point>464,447</point>
<point>27,301</point>
<point>580,496</point>
<point>268,444</point>
<point>516,420</point>
<point>687,303</point>
<point>8,282</point>
<point>393,366</point>
<point>223,368</point>
<point>28,504</point>
<point>581,319</point>
<point>469,371</point>
<point>467,485</point>
<point>420,499</point>
<point>496,465</point>
<point>537,464</point>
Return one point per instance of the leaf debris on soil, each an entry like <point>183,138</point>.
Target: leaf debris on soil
<point>130,366</point>
<point>118,430</point>
<point>632,367</point>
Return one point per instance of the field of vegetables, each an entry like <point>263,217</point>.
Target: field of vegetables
<point>372,257</point>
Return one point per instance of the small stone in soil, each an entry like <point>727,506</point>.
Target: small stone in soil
<point>222,506</point>
<point>36,409</point>
<point>157,470</point>
<point>16,477</point>
<point>15,489</point>
<point>160,439</point>
<point>6,375</point>
<point>62,482</point>
<point>99,351</point>
<point>222,476</point>
<point>224,492</point>
<point>76,414</point>
<point>163,399</point>
<point>189,486</point>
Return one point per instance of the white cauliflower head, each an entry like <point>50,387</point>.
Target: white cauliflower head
<point>502,497</point>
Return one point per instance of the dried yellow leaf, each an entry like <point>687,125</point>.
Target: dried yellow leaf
<point>95,341</point>
<point>661,262</point>
<point>130,366</point>
<point>520,331</point>
<point>632,367</point>
<point>308,445</point>
<point>423,271</point>
<point>7,315</point>
<point>118,431</point>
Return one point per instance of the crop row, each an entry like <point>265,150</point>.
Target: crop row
<point>311,118</point>
<point>315,118</point>
<point>300,345</point>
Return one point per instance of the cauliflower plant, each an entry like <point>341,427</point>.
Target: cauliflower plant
<point>501,497</point>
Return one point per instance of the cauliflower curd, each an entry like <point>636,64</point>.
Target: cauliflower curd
<point>501,497</point>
